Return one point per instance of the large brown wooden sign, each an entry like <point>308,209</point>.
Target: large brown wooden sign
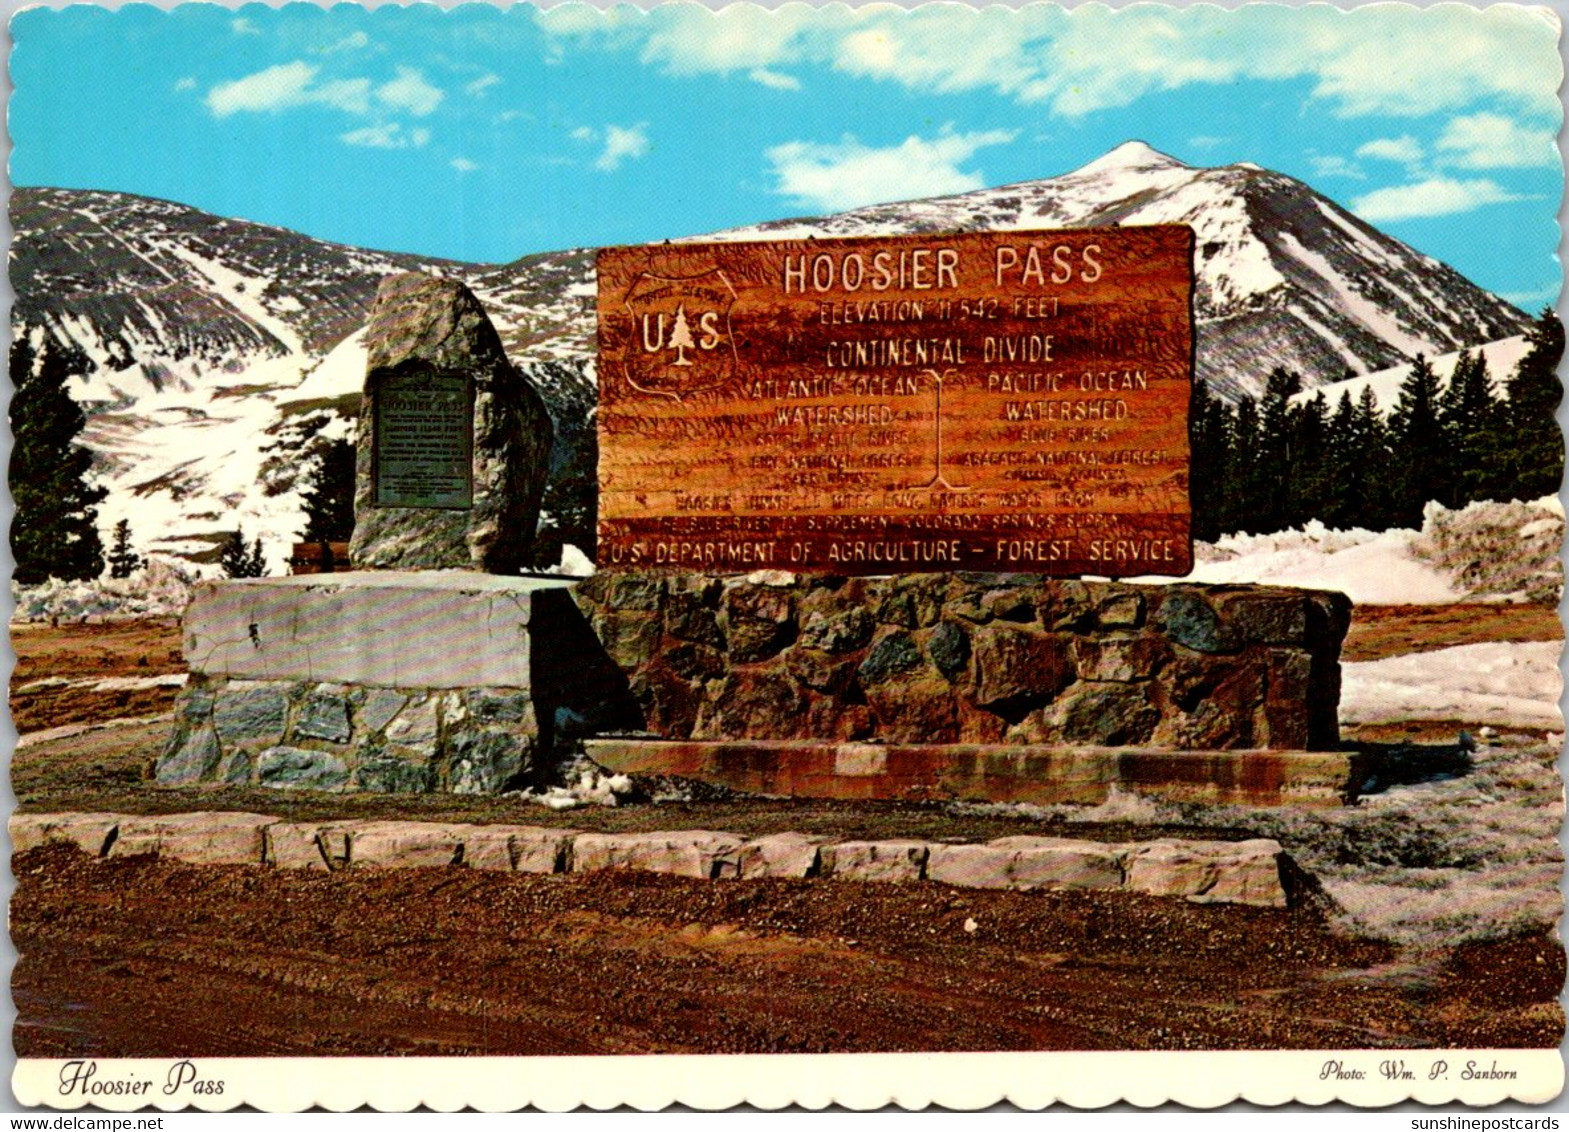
<point>982,401</point>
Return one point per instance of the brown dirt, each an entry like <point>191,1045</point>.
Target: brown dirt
<point>145,647</point>
<point>1379,631</point>
<point>138,958</point>
<point>143,958</point>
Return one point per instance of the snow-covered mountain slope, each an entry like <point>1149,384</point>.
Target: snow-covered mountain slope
<point>1285,277</point>
<point>1502,357</point>
<point>222,351</point>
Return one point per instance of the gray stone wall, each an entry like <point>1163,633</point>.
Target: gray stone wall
<point>320,736</point>
<point>975,658</point>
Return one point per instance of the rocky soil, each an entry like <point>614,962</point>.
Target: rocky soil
<point>139,958</point>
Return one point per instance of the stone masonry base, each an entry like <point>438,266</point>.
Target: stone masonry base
<point>327,736</point>
<point>1240,872</point>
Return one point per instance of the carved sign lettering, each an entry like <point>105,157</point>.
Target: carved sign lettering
<point>989,401</point>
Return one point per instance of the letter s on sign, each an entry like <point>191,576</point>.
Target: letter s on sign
<point>709,325</point>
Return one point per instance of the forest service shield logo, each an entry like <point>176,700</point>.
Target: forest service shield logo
<point>681,341</point>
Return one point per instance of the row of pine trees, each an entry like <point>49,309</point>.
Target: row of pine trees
<point>1268,465</point>
<point>1258,466</point>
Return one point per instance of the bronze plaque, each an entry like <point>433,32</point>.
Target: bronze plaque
<point>424,441</point>
<point>1012,401</point>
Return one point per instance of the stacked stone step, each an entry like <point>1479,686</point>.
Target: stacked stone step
<point>1236,872</point>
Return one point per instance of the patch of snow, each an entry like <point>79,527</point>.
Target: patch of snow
<point>1482,552</point>
<point>1502,358</point>
<point>574,563</point>
<point>1355,304</point>
<point>1505,683</point>
<point>159,588</point>
<point>1369,568</point>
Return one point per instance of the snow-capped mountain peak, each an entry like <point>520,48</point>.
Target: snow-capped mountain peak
<point>1130,156</point>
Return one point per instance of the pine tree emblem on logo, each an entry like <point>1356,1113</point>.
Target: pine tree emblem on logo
<point>681,341</point>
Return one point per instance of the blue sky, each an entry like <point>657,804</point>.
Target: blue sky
<point>484,134</point>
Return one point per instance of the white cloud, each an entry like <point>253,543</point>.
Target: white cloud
<point>480,85</point>
<point>463,165</point>
<point>1436,196</point>
<point>352,96</point>
<point>1375,59</point>
<point>275,88</point>
<point>622,144</point>
<point>243,26</point>
<point>1331,165</point>
<point>1404,149</point>
<point>185,84</point>
<point>585,133</point>
<point>1491,141</point>
<point>848,173</point>
<point>354,41</point>
<point>409,91</point>
<point>687,39</point>
<point>775,80</point>
<point>387,135</point>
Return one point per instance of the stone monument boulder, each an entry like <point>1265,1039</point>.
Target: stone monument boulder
<point>454,443</point>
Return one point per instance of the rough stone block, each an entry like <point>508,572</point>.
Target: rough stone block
<point>403,844</point>
<point>516,848</point>
<point>325,715</point>
<point>415,629</point>
<point>781,855</point>
<point>294,768</point>
<point>91,833</point>
<point>251,712</point>
<point>1018,666</point>
<point>897,862</point>
<point>689,853</point>
<point>195,838</point>
<point>1027,863</point>
<point>294,845</point>
<point>486,761</point>
<point>1242,872</point>
<point>422,325</point>
<point>192,755</point>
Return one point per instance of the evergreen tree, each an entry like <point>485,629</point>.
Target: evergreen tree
<point>1342,456</point>
<point>1467,412</point>
<point>1370,467</point>
<point>1244,491</point>
<point>1209,465</point>
<point>238,562</point>
<point>256,564</point>
<point>1532,456</point>
<point>123,560</point>
<point>329,501</point>
<point>1276,453</point>
<point>54,531</point>
<point>1421,468</point>
<point>1310,472</point>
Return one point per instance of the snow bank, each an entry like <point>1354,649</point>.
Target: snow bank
<point>159,588</point>
<point>1508,683</point>
<point>1482,552</point>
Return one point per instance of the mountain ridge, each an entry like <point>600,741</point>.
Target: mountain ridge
<point>223,352</point>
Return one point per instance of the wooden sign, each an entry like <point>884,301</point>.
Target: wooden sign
<point>1012,401</point>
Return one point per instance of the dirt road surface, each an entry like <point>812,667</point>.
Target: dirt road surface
<point>140,958</point>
